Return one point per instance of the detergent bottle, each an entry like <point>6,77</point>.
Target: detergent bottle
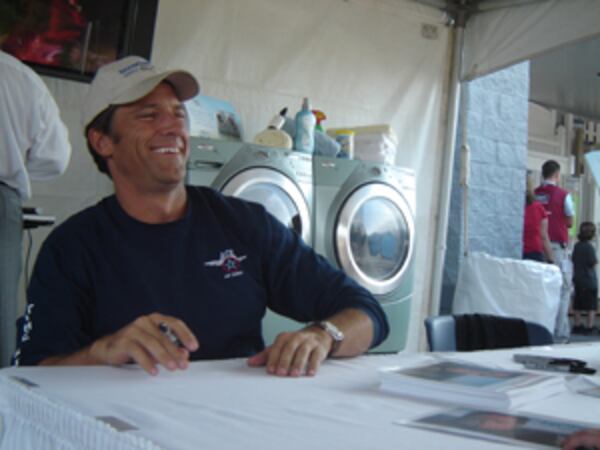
<point>304,141</point>
<point>274,136</point>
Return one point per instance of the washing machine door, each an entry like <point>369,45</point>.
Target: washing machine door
<point>277,192</point>
<point>373,239</point>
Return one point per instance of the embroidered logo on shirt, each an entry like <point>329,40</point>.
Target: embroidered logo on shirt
<point>229,263</point>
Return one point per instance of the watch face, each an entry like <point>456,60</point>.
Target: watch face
<point>332,330</point>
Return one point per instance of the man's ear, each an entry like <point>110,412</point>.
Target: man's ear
<point>101,143</point>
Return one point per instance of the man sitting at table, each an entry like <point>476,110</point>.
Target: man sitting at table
<point>158,253</point>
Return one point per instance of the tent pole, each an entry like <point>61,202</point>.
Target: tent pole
<point>447,167</point>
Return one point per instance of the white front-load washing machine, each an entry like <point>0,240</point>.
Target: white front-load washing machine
<point>278,179</point>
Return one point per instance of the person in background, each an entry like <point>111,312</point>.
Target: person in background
<point>559,206</point>
<point>163,273</point>
<point>34,145</point>
<point>584,279</point>
<point>536,243</point>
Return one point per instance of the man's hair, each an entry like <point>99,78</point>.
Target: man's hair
<point>103,123</point>
<point>587,231</point>
<point>549,168</point>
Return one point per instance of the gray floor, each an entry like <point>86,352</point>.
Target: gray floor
<point>575,338</point>
<point>585,338</point>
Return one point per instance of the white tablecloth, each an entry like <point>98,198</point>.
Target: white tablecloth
<point>228,405</point>
<point>508,287</point>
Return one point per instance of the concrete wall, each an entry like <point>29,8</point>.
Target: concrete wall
<point>496,110</point>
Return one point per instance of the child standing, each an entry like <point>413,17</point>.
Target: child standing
<point>584,279</point>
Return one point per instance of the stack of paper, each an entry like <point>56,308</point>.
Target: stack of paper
<point>470,385</point>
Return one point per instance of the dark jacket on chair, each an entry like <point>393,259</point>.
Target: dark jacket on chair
<point>480,331</point>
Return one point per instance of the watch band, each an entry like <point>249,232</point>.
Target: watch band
<point>336,334</point>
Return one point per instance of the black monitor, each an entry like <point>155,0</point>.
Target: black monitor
<point>73,38</point>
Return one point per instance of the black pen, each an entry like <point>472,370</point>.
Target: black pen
<point>166,330</point>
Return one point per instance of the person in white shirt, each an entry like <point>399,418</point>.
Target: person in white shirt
<point>559,206</point>
<point>34,145</point>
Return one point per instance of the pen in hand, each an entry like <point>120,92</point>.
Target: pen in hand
<point>166,330</point>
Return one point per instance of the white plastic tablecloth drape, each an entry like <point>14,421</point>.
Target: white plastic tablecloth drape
<point>228,405</point>
<point>508,287</point>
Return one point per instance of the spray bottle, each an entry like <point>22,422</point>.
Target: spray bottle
<point>304,141</point>
<point>274,136</point>
<point>320,116</point>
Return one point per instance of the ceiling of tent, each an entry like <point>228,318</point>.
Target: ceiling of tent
<point>566,78</point>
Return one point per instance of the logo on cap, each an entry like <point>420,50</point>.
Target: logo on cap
<point>135,67</point>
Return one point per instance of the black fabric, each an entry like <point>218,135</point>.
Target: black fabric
<point>534,256</point>
<point>585,299</point>
<point>483,332</point>
<point>584,265</point>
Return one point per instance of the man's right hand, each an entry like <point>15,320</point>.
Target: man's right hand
<point>142,342</point>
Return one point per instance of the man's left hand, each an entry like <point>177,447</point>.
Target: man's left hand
<point>296,353</point>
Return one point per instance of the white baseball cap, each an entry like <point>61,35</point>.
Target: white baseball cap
<point>129,79</point>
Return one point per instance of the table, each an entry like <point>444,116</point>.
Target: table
<point>228,405</point>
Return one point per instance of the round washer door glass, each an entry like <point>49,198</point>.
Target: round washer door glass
<point>374,237</point>
<point>276,201</point>
<point>277,193</point>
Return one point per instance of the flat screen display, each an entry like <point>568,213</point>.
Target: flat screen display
<point>73,38</point>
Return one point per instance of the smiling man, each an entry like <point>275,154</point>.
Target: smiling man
<point>161,273</point>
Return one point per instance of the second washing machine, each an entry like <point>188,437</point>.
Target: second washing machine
<point>364,224</point>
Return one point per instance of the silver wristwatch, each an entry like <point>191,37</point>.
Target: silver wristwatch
<point>336,334</point>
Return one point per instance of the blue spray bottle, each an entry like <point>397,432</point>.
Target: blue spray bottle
<point>304,140</point>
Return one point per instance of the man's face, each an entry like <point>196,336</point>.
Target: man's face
<point>148,147</point>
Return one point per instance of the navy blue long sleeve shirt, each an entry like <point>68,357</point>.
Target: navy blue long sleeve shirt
<point>217,269</point>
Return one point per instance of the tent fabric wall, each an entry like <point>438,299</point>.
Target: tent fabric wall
<point>361,62</point>
<point>498,38</point>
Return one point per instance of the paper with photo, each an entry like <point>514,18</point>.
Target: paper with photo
<point>534,430</point>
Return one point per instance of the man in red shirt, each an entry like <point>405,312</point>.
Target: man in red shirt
<point>536,243</point>
<point>559,206</point>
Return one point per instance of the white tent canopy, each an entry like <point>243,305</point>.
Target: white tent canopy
<point>560,37</point>
<point>498,36</point>
<point>568,78</point>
